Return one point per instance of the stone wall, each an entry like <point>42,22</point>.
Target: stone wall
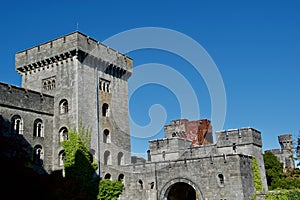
<point>154,179</point>
<point>29,106</point>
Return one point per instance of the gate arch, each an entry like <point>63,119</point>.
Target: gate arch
<point>169,188</point>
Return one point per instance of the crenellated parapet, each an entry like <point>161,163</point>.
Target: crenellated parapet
<point>168,148</point>
<point>21,98</point>
<point>242,136</point>
<point>286,141</point>
<point>65,48</point>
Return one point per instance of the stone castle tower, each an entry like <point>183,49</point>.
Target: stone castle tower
<point>285,153</point>
<point>88,81</point>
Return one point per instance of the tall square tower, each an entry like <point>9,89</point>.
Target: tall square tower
<point>88,81</point>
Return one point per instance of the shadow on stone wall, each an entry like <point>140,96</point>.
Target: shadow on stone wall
<point>21,179</point>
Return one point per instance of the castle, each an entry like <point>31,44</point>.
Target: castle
<point>75,79</point>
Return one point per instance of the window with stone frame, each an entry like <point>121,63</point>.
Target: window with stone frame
<point>121,177</point>
<point>62,158</point>
<point>105,110</point>
<point>107,159</point>
<point>120,158</point>
<point>63,134</point>
<point>220,179</point>
<point>104,85</point>
<point>49,83</point>
<point>107,176</point>
<point>106,136</point>
<point>141,184</point>
<point>38,128</point>
<point>38,155</point>
<point>63,106</point>
<point>17,125</point>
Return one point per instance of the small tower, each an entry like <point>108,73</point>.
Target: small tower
<point>286,141</point>
<point>286,154</point>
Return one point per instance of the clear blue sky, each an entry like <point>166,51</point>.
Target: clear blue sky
<point>254,44</point>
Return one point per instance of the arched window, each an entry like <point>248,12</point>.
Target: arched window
<point>107,160</point>
<point>38,130</point>
<point>140,183</point>
<point>53,84</point>
<point>152,185</point>
<point>106,136</point>
<point>38,155</point>
<point>63,134</point>
<point>221,180</point>
<point>17,125</point>
<point>105,110</point>
<point>45,87</point>
<point>63,106</point>
<point>49,85</point>
<point>61,158</point>
<point>107,176</point>
<point>120,158</point>
<point>121,177</point>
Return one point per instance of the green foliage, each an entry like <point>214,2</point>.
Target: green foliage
<point>256,173</point>
<point>274,169</point>
<point>78,166</point>
<point>109,190</point>
<point>276,179</point>
<point>283,195</point>
<point>290,180</point>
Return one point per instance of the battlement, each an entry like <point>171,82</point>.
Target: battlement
<point>285,141</point>
<point>240,136</point>
<point>66,47</point>
<point>167,148</point>
<point>21,98</point>
<point>198,131</point>
<point>169,144</point>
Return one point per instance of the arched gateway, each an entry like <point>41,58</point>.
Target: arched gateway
<point>180,189</point>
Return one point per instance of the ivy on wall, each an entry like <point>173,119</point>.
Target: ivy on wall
<point>256,174</point>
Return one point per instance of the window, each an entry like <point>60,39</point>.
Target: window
<point>121,177</point>
<point>104,85</point>
<point>63,134</point>
<point>107,160</point>
<point>152,185</point>
<point>63,106</point>
<point>105,110</point>
<point>38,128</point>
<point>48,83</point>
<point>17,125</point>
<point>38,155</point>
<point>120,158</point>
<point>107,176</point>
<point>221,180</point>
<point>140,182</point>
<point>234,147</point>
<point>62,158</point>
<point>106,136</point>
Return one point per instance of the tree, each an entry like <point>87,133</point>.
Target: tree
<point>109,190</point>
<point>81,180</point>
<point>79,167</point>
<point>274,169</point>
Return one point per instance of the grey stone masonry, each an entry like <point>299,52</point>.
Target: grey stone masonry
<point>89,76</point>
<point>285,153</point>
<point>58,49</point>
<point>20,98</point>
<point>29,107</point>
<point>75,79</point>
<point>247,141</point>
